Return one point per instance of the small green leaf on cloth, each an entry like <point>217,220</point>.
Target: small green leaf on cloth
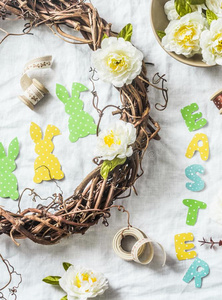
<point>66,265</point>
<point>64,298</point>
<point>210,16</point>
<point>196,2</point>
<point>54,280</point>
<point>161,33</point>
<point>109,165</point>
<point>182,7</point>
<point>126,32</point>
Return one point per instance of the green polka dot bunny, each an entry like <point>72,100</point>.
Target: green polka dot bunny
<point>81,123</point>
<point>8,181</point>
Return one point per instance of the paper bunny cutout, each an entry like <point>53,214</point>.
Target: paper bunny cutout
<point>81,123</point>
<point>8,181</point>
<point>47,166</point>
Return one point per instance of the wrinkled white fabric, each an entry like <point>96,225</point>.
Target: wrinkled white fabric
<point>158,209</point>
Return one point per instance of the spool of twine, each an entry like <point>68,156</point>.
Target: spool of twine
<point>33,94</point>
<point>217,99</point>
<point>34,91</point>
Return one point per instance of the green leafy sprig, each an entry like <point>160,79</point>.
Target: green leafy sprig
<point>54,280</point>
<point>183,7</point>
<point>210,16</point>
<point>109,165</point>
<point>125,33</point>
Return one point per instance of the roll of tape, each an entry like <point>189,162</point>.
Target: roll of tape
<point>141,243</point>
<point>138,248</point>
<point>117,240</point>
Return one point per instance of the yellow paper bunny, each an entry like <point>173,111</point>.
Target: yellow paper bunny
<point>46,165</point>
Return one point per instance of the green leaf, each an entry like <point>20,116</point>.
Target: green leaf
<point>196,2</point>
<point>109,165</point>
<point>66,265</point>
<point>161,33</point>
<point>210,16</point>
<point>64,298</point>
<point>126,32</point>
<point>182,7</point>
<point>105,36</point>
<point>54,280</point>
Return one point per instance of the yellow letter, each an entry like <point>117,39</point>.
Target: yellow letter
<point>181,247</point>
<point>203,149</point>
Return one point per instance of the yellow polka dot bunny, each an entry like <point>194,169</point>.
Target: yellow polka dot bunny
<point>46,165</point>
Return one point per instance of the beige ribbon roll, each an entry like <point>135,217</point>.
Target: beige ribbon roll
<point>34,90</point>
<point>120,235</point>
<point>138,248</point>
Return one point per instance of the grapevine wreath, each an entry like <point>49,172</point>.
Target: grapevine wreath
<point>94,196</point>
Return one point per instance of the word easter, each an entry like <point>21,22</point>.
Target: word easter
<point>200,143</point>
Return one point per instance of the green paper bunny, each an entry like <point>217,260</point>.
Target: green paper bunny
<point>81,124</point>
<point>8,181</point>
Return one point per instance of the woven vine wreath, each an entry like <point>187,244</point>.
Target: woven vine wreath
<point>94,197</point>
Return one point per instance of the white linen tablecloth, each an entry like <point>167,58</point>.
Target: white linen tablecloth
<point>158,209</point>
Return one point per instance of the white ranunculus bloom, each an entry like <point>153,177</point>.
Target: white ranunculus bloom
<point>183,35</point>
<point>171,12</point>
<point>215,6</point>
<point>118,61</point>
<point>211,43</point>
<point>216,209</point>
<point>116,141</point>
<point>81,283</point>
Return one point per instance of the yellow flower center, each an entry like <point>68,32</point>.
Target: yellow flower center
<point>109,139</point>
<point>184,36</point>
<point>218,47</point>
<point>116,62</point>
<point>85,277</point>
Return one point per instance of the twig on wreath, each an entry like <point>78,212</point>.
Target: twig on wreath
<point>164,90</point>
<point>212,243</point>
<point>7,34</point>
<point>11,271</point>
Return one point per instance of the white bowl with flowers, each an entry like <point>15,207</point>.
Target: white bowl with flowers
<point>189,30</point>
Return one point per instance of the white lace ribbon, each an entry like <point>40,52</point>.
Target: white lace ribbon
<point>34,90</point>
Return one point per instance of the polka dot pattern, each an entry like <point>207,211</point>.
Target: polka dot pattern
<point>181,247</point>
<point>8,181</point>
<point>198,184</point>
<point>194,207</point>
<point>193,121</point>
<point>193,146</point>
<point>81,124</point>
<point>47,166</point>
<point>193,273</point>
<point>218,102</point>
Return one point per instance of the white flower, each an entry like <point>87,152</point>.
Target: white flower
<point>81,283</point>
<point>216,209</point>
<point>183,35</point>
<point>211,43</point>
<point>171,12</point>
<point>215,6</point>
<point>118,61</point>
<point>116,141</point>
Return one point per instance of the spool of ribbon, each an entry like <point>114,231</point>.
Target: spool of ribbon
<point>34,90</point>
<point>217,99</point>
<point>138,248</point>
